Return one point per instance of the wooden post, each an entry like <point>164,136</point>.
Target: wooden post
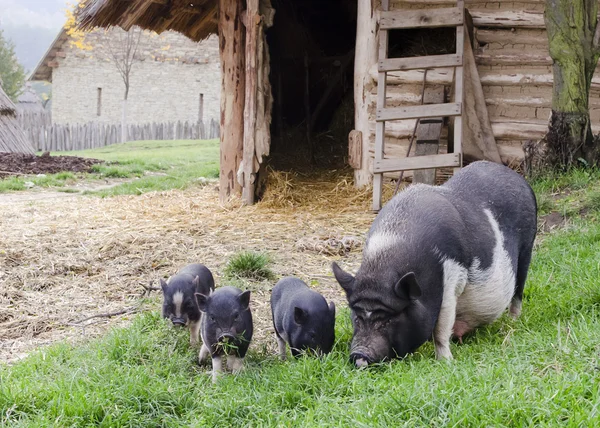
<point>231,47</point>
<point>365,57</point>
<point>428,135</point>
<point>246,174</point>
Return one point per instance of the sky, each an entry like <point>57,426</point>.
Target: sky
<point>32,25</point>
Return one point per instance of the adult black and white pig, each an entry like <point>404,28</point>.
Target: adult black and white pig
<point>226,327</point>
<point>179,300</point>
<point>441,260</point>
<point>302,318</point>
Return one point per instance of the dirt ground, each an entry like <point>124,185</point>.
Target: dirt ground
<point>20,163</point>
<point>65,259</point>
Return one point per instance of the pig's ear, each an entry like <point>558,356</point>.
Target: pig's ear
<point>202,301</point>
<point>344,278</point>
<point>332,309</point>
<point>163,285</point>
<point>196,282</point>
<point>245,299</point>
<point>408,288</point>
<point>300,315</point>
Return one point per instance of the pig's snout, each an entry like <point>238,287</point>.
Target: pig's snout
<point>360,358</point>
<point>178,321</point>
<point>226,338</point>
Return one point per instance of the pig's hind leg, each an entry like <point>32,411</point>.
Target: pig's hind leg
<point>280,346</point>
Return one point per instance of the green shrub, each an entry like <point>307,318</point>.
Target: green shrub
<point>249,265</point>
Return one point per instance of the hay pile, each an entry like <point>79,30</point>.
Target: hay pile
<point>66,259</point>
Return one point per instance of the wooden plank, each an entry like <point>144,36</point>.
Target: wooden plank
<point>424,18</point>
<point>428,135</point>
<point>417,162</point>
<point>414,112</point>
<point>411,63</point>
<point>355,143</point>
<point>469,2</point>
<point>479,141</point>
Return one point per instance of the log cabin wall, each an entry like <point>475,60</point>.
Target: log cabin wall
<point>511,52</point>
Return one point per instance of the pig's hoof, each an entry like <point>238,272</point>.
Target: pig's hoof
<point>443,354</point>
<point>515,309</point>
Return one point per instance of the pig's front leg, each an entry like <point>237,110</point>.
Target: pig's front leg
<point>235,364</point>
<point>194,332</point>
<point>217,367</point>
<point>455,279</point>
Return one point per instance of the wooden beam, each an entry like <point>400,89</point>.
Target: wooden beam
<point>232,48</point>
<point>420,62</point>
<point>525,59</point>
<point>418,162</point>
<point>423,18</point>
<point>479,142</point>
<point>365,56</point>
<point>246,173</point>
<point>414,112</point>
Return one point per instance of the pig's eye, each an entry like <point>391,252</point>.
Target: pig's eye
<point>212,318</point>
<point>236,317</point>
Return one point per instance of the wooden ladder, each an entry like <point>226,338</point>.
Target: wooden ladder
<point>404,19</point>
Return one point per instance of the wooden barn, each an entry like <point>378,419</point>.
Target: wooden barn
<point>481,67</point>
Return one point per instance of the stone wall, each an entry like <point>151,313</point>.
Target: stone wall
<point>168,76</point>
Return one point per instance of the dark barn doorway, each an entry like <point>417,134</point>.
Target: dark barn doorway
<point>311,46</point>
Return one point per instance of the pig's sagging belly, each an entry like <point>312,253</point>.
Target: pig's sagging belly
<point>488,291</point>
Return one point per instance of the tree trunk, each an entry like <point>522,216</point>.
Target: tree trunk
<point>124,122</point>
<point>232,48</point>
<point>573,40</point>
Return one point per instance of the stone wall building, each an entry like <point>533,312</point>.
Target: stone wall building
<point>172,78</point>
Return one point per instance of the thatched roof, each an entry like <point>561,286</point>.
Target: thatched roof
<point>12,137</point>
<point>197,19</point>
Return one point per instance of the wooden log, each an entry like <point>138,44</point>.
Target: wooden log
<point>479,142</point>
<point>526,59</point>
<point>428,135</point>
<point>231,49</point>
<point>508,18</point>
<point>365,56</point>
<point>246,175</point>
<point>444,76</point>
<point>505,36</point>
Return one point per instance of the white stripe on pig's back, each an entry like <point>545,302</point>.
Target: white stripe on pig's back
<point>488,291</point>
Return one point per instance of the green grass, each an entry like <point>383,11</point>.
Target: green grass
<point>158,165</point>
<point>152,166</point>
<point>249,265</point>
<point>540,370</point>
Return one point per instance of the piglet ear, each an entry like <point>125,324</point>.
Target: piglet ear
<point>196,282</point>
<point>163,285</point>
<point>332,309</point>
<point>202,301</point>
<point>343,278</point>
<point>408,288</point>
<point>300,315</point>
<point>245,299</point>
